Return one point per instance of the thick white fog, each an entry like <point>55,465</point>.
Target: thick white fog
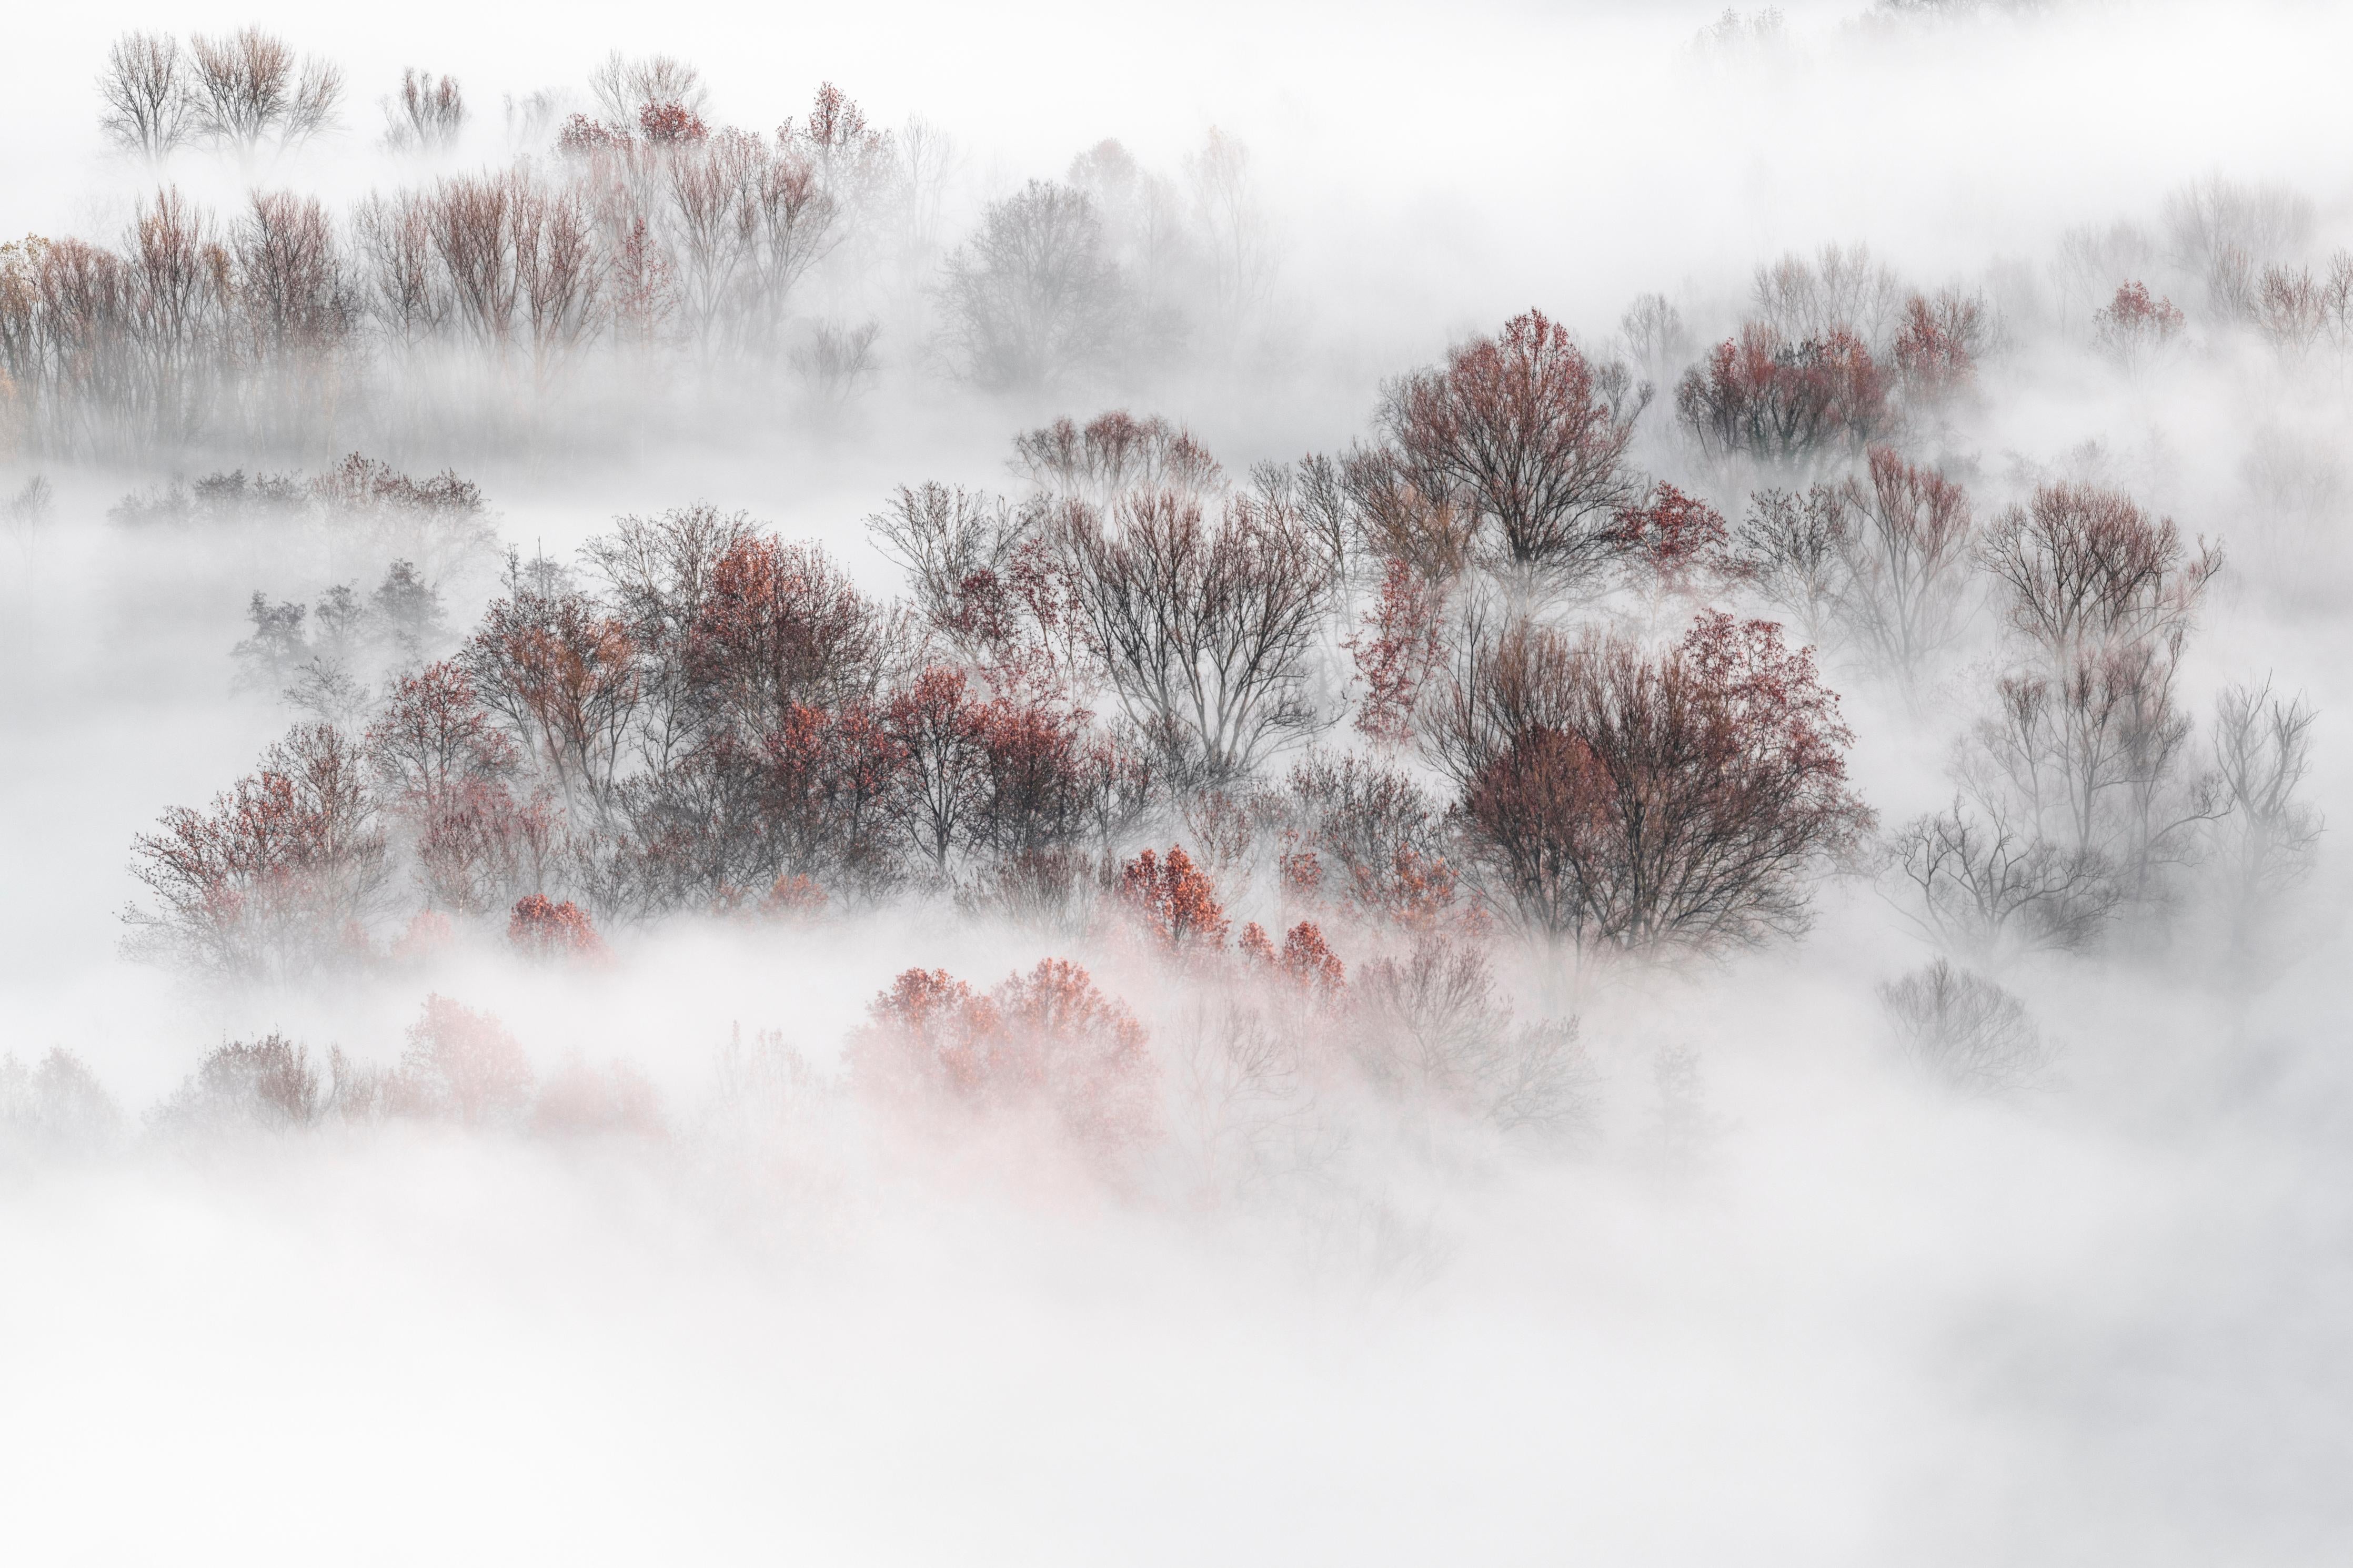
<point>1600,817</point>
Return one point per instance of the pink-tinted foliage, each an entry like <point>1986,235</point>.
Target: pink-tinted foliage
<point>266,882</point>
<point>1758,395</point>
<point>1172,902</point>
<point>1048,1038</point>
<point>2135,323</point>
<point>1676,542</point>
<point>542,929</point>
<point>1936,349</point>
<point>1396,651</point>
<point>1305,960</point>
<point>1530,435</point>
<point>581,1098</point>
<point>428,934</point>
<point>1643,801</point>
<point>671,125</point>
<point>461,1064</point>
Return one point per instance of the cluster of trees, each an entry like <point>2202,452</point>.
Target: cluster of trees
<point>703,717</point>
<point>614,249</point>
<point>240,93</point>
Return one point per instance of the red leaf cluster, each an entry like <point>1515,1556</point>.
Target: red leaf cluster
<point>1048,1038</point>
<point>1172,902</point>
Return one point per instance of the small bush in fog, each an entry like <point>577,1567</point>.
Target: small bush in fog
<point>1967,1033</point>
<point>56,1104</point>
<point>1048,1038</point>
<point>461,1065</point>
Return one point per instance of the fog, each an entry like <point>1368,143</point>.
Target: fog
<point>553,1130</point>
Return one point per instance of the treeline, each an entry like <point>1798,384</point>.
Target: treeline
<point>638,258</point>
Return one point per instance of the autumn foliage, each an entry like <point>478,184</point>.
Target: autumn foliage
<point>1641,801</point>
<point>1047,1040</point>
<point>542,928</point>
<point>1173,903</point>
<point>1757,396</point>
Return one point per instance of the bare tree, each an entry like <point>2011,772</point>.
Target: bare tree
<point>625,88</point>
<point>402,285</point>
<point>1653,333</point>
<point>1983,886</point>
<point>145,85</point>
<point>2085,566</point>
<point>1031,299</point>
<point>1202,625</point>
<point>2267,837</point>
<point>1908,556</point>
<point>1795,548</point>
<point>427,115</point>
<point>1431,1027</point>
<point>247,90</point>
<point>1841,290</point>
<point>290,276</point>
<point>1114,454</point>
<point>1968,1034</point>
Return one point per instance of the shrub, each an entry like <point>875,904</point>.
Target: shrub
<point>1047,1039</point>
<point>540,927</point>
<point>461,1064</point>
<point>1964,1031</point>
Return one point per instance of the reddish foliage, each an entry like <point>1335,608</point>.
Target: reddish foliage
<point>267,881</point>
<point>1115,452</point>
<point>1673,538</point>
<point>1529,434</point>
<point>779,626</point>
<point>1048,1037</point>
<point>582,136</point>
<point>1306,960</point>
<point>428,932</point>
<point>564,675</point>
<point>432,735</point>
<point>1642,802</point>
<point>2137,321</point>
<point>1173,902</point>
<point>826,780</point>
<point>579,1099</point>
<point>1381,835</point>
<point>2086,566</point>
<point>1759,396</point>
<point>671,125</point>
<point>793,898</point>
<point>1396,653</point>
<point>1302,872</point>
<point>460,1063</point>
<point>541,928</point>
<point>1936,350</point>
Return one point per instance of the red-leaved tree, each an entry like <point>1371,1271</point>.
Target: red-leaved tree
<point>1172,902</point>
<point>1529,435</point>
<point>1618,798</point>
